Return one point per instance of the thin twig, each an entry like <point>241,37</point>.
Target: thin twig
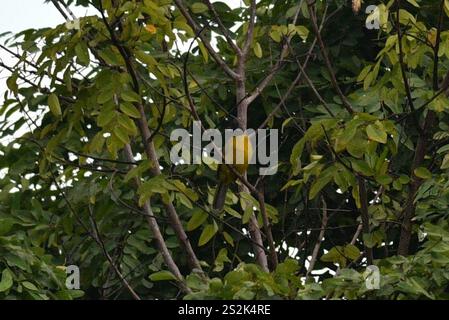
<point>316,248</point>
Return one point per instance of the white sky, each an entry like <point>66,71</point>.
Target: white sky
<point>18,15</point>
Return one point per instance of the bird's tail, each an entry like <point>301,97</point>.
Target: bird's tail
<point>220,196</point>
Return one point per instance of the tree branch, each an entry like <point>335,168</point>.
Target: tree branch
<point>154,227</point>
<point>150,149</point>
<point>365,217</point>
<point>408,90</point>
<point>192,23</point>
<point>276,67</point>
<point>223,29</point>
<point>250,33</point>
<point>316,248</point>
<point>108,257</point>
<point>313,19</point>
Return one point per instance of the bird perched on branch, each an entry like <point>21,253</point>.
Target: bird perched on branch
<point>242,151</point>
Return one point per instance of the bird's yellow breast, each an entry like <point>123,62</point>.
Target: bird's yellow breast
<point>237,152</point>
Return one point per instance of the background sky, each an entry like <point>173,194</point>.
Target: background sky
<point>18,15</point>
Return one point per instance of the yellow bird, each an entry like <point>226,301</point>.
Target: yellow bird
<point>241,155</point>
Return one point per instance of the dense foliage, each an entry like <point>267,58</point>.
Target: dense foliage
<point>363,154</point>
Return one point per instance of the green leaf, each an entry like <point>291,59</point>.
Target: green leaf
<point>275,35</point>
<point>295,157</point>
<point>258,50</point>
<point>209,231</point>
<point>247,213</point>
<point>53,103</point>
<point>139,245</point>
<point>384,179</point>
<point>130,96</point>
<point>111,56</point>
<point>445,163</point>
<point>12,83</point>
<point>75,294</point>
<point>443,148</point>
<point>127,123</point>
<point>67,77</point>
<point>357,147</point>
<point>364,73</point>
<point>203,50</point>
<point>422,173</point>
<point>136,171</point>
<point>104,97</point>
<point>335,255</point>
<point>29,286</point>
<point>121,134</point>
<point>146,58</point>
<point>105,117</point>
<point>397,185</point>
<point>228,238</point>
<point>199,7</point>
<point>232,212</point>
<point>163,275</point>
<point>130,110</point>
<point>403,179</point>
<point>6,282</point>
<point>196,282</point>
<point>154,185</point>
<point>377,133</point>
<point>82,52</point>
<point>319,184</point>
<point>413,2</point>
<point>352,252</point>
<point>222,257</point>
<point>362,167</point>
<point>196,220</point>
<point>6,225</point>
<point>406,17</point>
<point>372,239</point>
<point>303,32</point>
<point>184,200</point>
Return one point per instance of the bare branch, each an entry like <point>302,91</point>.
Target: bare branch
<point>250,34</point>
<point>408,90</point>
<point>192,23</point>
<point>150,149</point>
<point>437,48</point>
<point>223,29</point>
<point>108,257</point>
<point>365,216</point>
<point>422,143</point>
<point>58,7</point>
<point>275,68</point>
<point>290,88</point>
<point>357,233</point>
<point>267,228</point>
<point>157,235</point>
<point>312,86</point>
<point>313,19</point>
<point>316,248</point>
